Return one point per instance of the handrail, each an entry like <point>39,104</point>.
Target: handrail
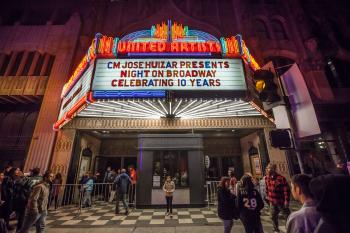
<point>74,195</point>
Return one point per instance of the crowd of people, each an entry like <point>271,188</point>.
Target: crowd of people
<point>116,185</point>
<point>324,198</point>
<point>324,202</point>
<point>28,196</point>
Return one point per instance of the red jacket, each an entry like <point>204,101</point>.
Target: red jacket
<point>133,176</point>
<point>277,190</point>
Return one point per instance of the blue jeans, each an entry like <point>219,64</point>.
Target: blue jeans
<point>121,197</point>
<point>228,224</point>
<point>87,198</point>
<point>34,218</point>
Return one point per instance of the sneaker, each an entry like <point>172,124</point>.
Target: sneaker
<point>171,215</point>
<point>167,213</point>
<point>126,212</point>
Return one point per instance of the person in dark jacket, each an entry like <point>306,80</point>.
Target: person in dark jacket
<point>21,191</point>
<point>249,204</point>
<point>331,193</point>
<point>55,190</point>
<point>36,209</point>
<point>122,183</point>
<point>3,227</point>
<point>7,186</point>
<point>226,204</point>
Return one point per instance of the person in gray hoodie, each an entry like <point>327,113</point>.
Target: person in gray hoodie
<point>122,183</point>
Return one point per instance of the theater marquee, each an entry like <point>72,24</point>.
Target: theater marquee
<point>169,74</point>
<point>168,70</point>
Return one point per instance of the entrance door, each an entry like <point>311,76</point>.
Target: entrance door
<point>177,155</point>
<point>170,163</point>
<point>173,163</point>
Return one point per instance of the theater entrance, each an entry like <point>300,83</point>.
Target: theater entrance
<point>177,155</point>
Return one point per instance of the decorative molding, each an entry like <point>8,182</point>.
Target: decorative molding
<point>112,123</point>
<point>63,145</point>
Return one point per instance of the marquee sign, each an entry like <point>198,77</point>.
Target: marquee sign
<point>169,74</point>
<point>166,39</point>
<point>80,89</point>
<point>148,63</point>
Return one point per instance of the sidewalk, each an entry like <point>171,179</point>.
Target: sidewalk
<point>101,218</point>
<point>178,229</point>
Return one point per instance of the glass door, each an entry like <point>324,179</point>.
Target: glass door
<point>170,163</point>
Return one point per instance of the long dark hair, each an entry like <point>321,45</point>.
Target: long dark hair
<point>247,183</point>
<point>223,181</point>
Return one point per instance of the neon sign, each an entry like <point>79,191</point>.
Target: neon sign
<point>160,40</point>
<point>125,47</point>
<point>163,40</point>
<point>169,74</point>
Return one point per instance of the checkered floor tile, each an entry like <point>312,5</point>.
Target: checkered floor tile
<point>102,214</point>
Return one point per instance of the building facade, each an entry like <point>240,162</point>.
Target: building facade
<point>41,44</point>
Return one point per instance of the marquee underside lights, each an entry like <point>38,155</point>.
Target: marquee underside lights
<point>180,108</point>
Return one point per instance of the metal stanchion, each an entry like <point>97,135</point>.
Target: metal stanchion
<point>206,186</point>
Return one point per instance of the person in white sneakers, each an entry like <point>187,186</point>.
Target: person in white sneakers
<point>169,188</point>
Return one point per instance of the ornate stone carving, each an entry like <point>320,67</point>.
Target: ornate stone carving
<point>110,123</point>
<point>63,145</point>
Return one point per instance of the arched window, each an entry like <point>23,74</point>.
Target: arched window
<point>261,29</point>
<point>278,29</point>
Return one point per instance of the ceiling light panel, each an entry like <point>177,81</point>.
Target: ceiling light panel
<point>181,108</point>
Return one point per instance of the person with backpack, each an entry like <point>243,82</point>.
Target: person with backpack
<point>249,204</point>
<point>88,186</point>
<point>35,175</point>
<point>122,183</point>
<point>21,191</point>
<point>227,210</point>
<point>36,209</point>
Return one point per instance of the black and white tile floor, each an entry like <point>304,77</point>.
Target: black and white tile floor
<point>101,214</point>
